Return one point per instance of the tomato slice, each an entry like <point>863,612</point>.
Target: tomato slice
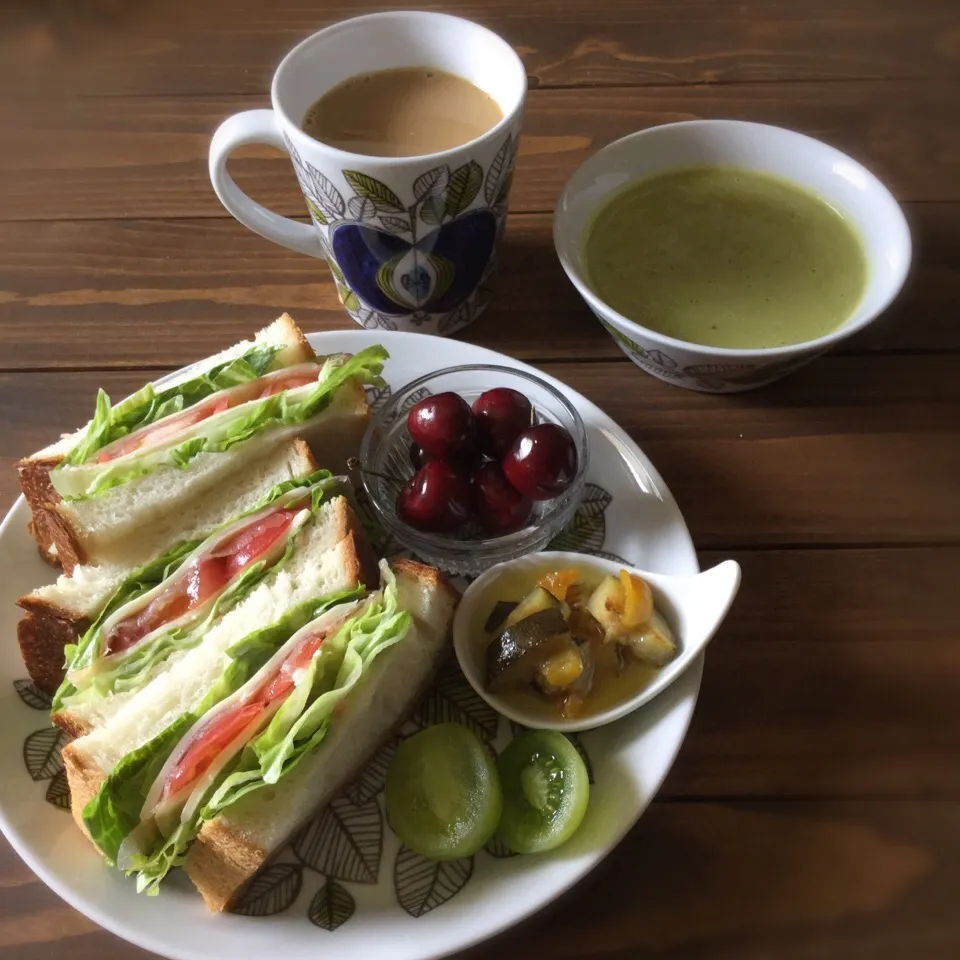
<point>169,426</point>
<point>283,681</point>
<point>208,744</point>
<point>545,791</point>
<point>206,577</point>
<point>442,793</point>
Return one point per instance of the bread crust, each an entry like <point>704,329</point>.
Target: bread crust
<point>41,640</point>
<point>84,778</point>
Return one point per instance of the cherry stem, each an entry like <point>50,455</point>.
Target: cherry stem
<point>354,464</point>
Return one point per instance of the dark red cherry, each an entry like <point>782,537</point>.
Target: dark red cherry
<point>441,425</point>
<point>542,461</point>
<point>438,498</point>
<point>464,460</point>
<point>501,508</point>
<point>501,416</point>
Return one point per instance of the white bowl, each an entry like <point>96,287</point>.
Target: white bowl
<point>843,182</point>
<point>694,606</point>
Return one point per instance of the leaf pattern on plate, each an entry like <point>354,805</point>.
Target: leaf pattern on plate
<point>331,907</point>
<point>272,891</point>
<point>497,848</point>
<point>41,753</point>
<point>586,530</point>
<point>453,700</point>
<point>58,791</point>
<point>423,885</point>
<point>343,841</point>
<point>374,775</point>
<point>32,695</point>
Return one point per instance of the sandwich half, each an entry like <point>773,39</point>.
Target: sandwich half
<point>60,613</point>
<point>302,543</point>
<point>140,460</point>
<point>217,776</point>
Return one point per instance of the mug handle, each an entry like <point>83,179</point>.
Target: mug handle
<point>256,126</point>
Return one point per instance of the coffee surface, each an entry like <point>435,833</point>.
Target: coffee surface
<point>405,112</point>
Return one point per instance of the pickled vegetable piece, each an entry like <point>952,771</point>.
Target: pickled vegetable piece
<point>637,600</point>
<point>559,582</point>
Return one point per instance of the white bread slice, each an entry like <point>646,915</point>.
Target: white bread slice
<point>60,612</point>
<point>34,471</point>
<point>231,848</point>
<point>82,593</point>
<point>100,528</point>
<point>331,555</point>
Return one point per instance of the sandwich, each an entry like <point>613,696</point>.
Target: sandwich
<point>213,764</point>
<point>141,460</point>
<point>58,614</point>
<point>302,542</point>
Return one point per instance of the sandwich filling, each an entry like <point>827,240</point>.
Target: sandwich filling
<point>209,414</point>
<point>168,607</point>
<point>277,700</point>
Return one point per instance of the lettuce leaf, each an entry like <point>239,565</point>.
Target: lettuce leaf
<point>223,431</point>
<point>114,813</point>
<point>148,405</point>
<point>302,721</point>
<point>134,670</point>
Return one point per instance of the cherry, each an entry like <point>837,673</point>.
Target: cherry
<point>441,425</point>
<point>464,459</point>
<point>500,506</point>
<point>542,461</point>
<point>438,498</point>
<point>501,415</point>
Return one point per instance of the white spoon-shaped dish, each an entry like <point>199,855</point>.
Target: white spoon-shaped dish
<point>693,606</point>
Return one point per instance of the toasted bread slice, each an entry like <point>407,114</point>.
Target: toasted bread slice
<point>58,541</point>
<point>231,848</point>
<point>61,612</point>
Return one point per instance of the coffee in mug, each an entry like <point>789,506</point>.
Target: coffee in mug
<point>406,112</point>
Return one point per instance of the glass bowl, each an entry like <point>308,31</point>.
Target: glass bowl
<point>385,462</point>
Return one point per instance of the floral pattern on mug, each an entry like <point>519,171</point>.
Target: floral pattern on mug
<point>422,266</point>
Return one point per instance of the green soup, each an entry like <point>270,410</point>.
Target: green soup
<point>726,257</point>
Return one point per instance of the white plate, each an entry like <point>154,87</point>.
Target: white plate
<point>348,858</point>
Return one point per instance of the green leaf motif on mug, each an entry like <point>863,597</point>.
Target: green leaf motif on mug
<point>495,172</point>
<point>464,186</point>
<point>395,224</point>
<point>373,189</point>
<point>316,213</point>
<point>432,183</point>
<point>432,208</point>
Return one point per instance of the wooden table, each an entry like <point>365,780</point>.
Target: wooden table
<point>815,808</point>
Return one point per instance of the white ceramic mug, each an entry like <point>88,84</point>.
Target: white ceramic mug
<point>835,177</point>
<point>411,241</point>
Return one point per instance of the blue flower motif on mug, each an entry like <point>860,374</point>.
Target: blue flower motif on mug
<point>425,262</point>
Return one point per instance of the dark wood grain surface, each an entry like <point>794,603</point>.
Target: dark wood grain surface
<point>814,811</point>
